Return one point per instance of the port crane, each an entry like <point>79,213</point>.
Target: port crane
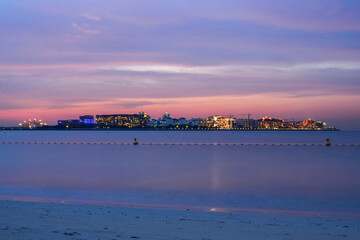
<point>242,114</point>
<point>246,114</point>
<point>248,117</point>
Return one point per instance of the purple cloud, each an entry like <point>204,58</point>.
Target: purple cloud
<point>91,52</point>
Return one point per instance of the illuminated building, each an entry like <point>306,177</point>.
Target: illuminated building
<point>123,120</point>
<point>207,123</point>
<point>224,122</point>
<point>246,123</point>
<point>312,124</point>
<point>86,121</point>
<point>142,120</point>
<point>70,123</point>
<point>32,123</point>
<point>218,122</point>
<point>166,115</point>
<point>167,122</point>
<point>270,123</point>
<point>291,124</point>
<point>194,122</point>
<point>179,122</point>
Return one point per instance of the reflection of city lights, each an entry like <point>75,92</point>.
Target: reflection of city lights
<point>218,210</point>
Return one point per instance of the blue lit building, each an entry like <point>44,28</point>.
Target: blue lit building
<point>86,121</point>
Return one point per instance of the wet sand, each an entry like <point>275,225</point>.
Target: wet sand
<point>30,220</point>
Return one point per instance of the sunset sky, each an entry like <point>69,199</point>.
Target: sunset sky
<point>288,59</point>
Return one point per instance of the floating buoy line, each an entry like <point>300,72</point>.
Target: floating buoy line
<point>135,142</point>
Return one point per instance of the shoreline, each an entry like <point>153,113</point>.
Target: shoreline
<point>34,220</point>
<point>170,207</point>
<point>166,129</point>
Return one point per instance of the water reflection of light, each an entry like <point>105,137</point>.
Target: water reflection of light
<point>215,178</point>
<point>218,210</point>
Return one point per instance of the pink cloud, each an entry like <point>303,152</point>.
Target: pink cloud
<point>84,30</point>
<point>92,17</point>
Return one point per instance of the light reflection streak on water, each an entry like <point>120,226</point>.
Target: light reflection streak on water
<point>209,177</point>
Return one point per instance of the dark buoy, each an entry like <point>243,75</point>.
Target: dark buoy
<point>135,142</point>
<point>328,143</point>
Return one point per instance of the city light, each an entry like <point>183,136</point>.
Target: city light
<point>32,124</point>
<point>216,122</point>
<point>143,120</point>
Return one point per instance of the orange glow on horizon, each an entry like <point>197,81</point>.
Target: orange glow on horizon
<point>260,105</point>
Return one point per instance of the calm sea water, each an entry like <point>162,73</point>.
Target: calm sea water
<point>299,179</point>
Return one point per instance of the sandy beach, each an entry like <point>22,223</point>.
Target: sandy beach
<point>31,220</point>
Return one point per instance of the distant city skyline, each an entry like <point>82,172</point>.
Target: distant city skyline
<point>288,59</point>
<point>166,121</point>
